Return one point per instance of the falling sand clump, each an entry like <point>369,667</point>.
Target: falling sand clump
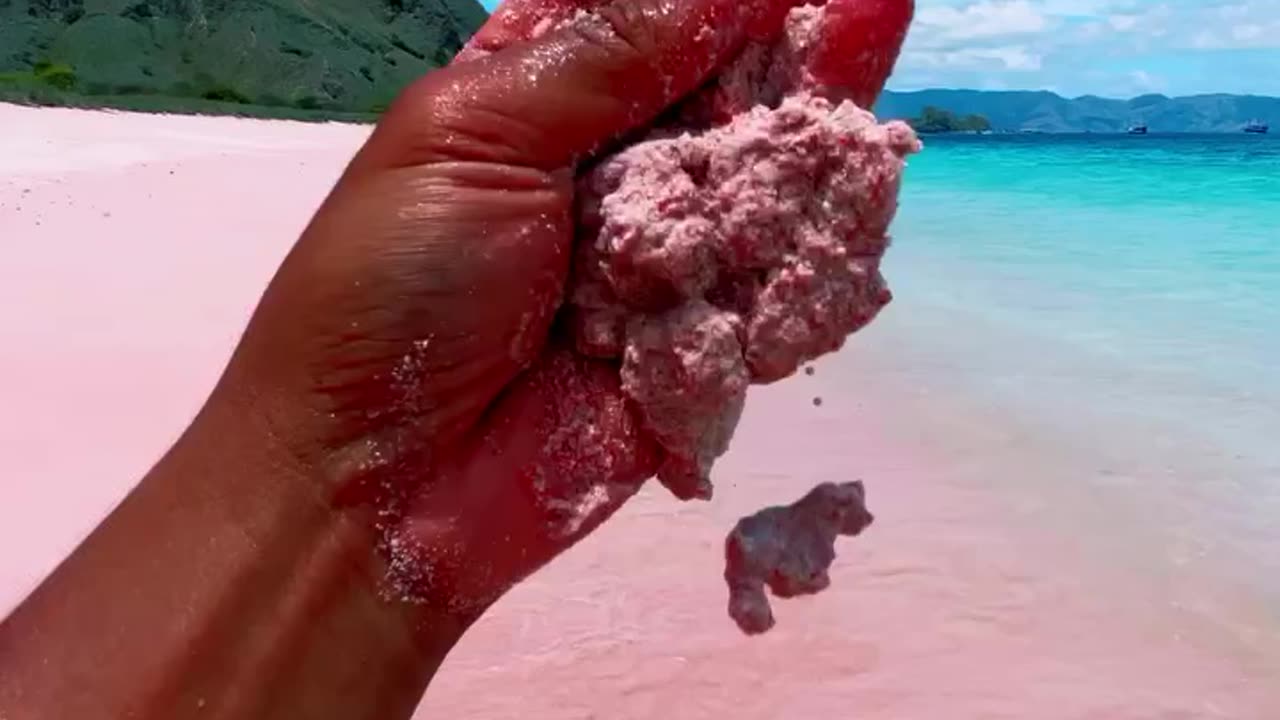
<point>737,239</point>
<point>728,248</point>
<point>789,549</point>
<point>734,244</point>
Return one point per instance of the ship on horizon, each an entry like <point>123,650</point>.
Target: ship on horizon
<point>1256,127</point>
<point>1138,128</point>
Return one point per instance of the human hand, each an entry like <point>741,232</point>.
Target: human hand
<point>404,356</point>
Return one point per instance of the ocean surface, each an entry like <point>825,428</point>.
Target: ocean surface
<point>1109,308</point>
<point>1068,421</point>
<point>1113,279</point>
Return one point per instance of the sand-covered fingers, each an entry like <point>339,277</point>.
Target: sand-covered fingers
<point>858,45</point>
<point>554,90</point>
<point>517,21</point>
<point>557,455</point>
<point>860,39</point>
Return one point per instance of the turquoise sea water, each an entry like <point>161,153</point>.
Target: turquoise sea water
<point>1155,258</point>
<point>1119,296</point>
<point>1163,249</point>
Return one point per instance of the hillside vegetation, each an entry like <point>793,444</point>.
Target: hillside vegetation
<point>311,56</point>
<point>936,120</point>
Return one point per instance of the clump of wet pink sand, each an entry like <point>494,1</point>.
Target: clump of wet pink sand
<point>789,549</point>
<point>728,247</point>
<point>733,244</point>
<point>733,241</point>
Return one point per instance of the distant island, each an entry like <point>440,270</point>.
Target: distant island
<point>934,120</point>
<point>1046,112</point>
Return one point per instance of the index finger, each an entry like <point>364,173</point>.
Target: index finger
<point>517,21</point>
<point>858,45</point>
<point>545,102</point>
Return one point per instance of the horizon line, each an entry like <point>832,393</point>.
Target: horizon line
<point>1080,97</point>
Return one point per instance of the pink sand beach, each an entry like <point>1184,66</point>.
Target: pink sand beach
<point>133,248</point>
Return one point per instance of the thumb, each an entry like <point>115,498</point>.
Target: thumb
<point>546,102</point>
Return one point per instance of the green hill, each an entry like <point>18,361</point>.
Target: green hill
<point>323,56</point>
<point>933,120</point>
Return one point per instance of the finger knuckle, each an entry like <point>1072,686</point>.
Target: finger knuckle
<point>621,29</point>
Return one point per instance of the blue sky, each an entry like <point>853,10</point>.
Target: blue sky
<point>1115,48</point>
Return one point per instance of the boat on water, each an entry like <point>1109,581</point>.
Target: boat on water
<point>1139,128</point>
<point>1257,127</point>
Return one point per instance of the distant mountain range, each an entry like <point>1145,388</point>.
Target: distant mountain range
<point>1042,111</point>
<point>347,55</point>
<point>353,56</point>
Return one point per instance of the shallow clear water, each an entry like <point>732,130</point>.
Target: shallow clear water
<point>1168,247</point>
<point>1182,234</point>
<point>1118,299</point>
<point>1152,262</point>
<point>1069,425</point>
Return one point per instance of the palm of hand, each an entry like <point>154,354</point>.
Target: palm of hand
<point>415,314</point>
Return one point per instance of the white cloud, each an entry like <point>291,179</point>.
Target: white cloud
<point>1248,33</point>
<point>1009,58</point>
<point>983,19</point>
<point>1095,46</point>
<point>1145,82</point>
<point>1123,23</point>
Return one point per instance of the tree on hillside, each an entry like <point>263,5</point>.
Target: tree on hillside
<point>937,120</point>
